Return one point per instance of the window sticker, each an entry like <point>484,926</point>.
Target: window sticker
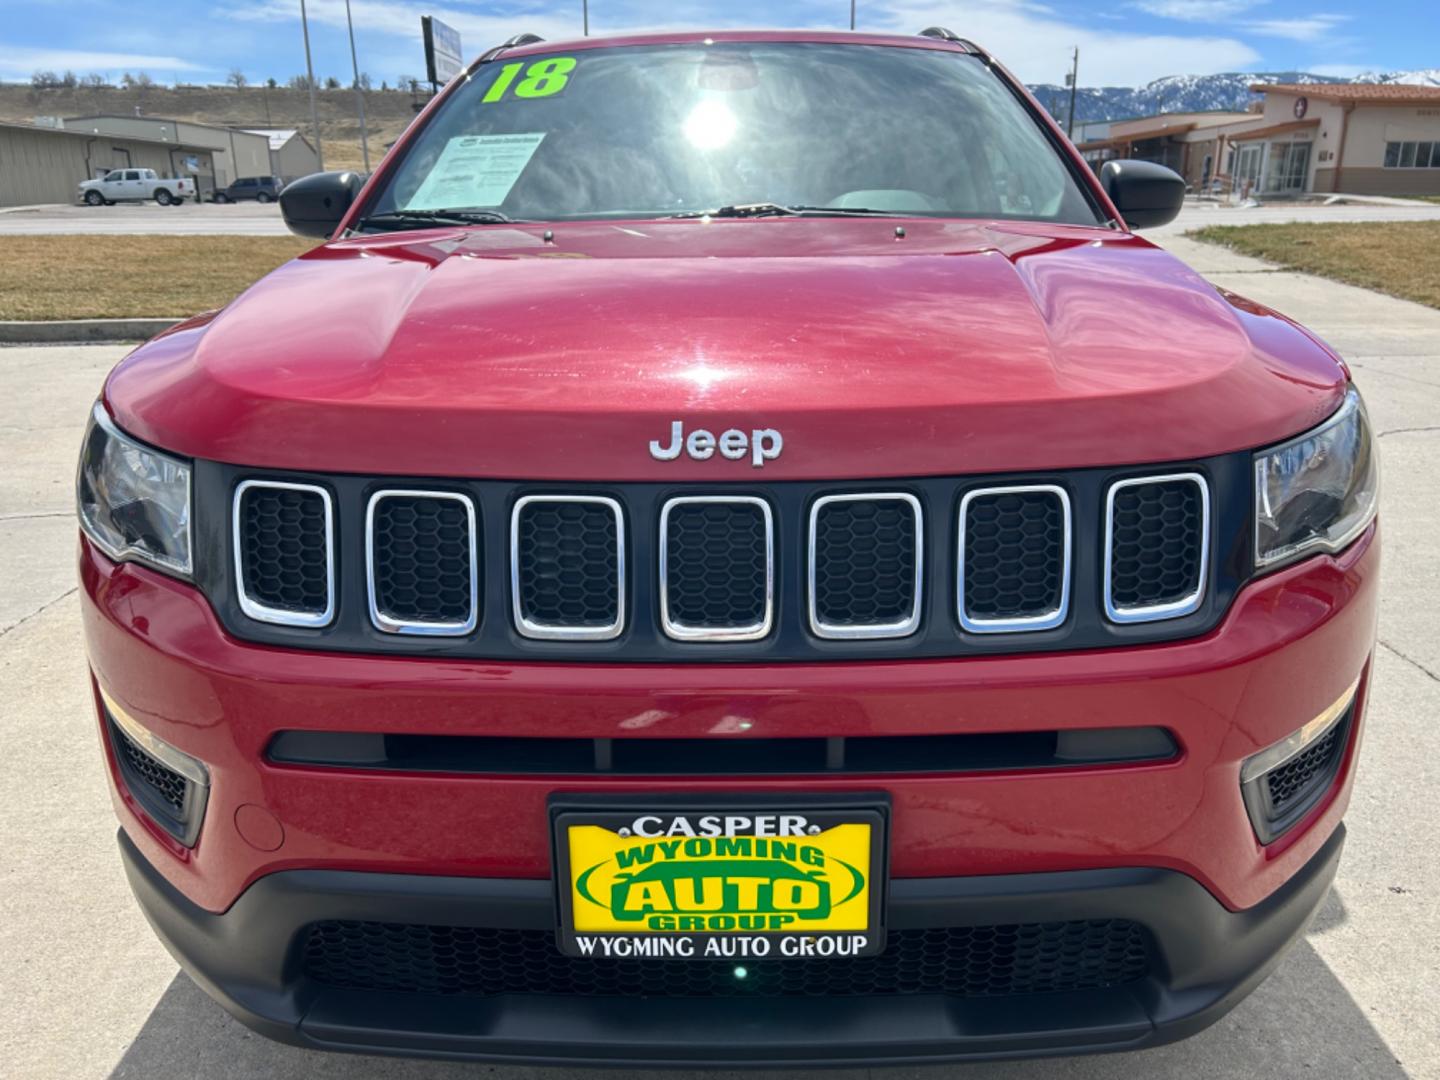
<point>476,170</point>
<point>543,78</point>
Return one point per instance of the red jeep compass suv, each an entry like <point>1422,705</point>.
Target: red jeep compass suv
<point>732,552</point>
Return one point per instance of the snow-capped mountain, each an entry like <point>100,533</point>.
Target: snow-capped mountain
<point>1195,93</point>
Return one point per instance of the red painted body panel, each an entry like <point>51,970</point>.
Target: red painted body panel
<point>1291,644</point>
<point>966,347</point>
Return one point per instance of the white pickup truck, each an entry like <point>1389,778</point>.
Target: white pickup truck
<point>136,185</point>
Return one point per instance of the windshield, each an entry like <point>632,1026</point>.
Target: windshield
<point>659,130</point>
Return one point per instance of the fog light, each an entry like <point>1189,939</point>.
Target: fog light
<point>168,785</point>
<point>1284,781</point>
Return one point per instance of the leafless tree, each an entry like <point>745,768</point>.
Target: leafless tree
<point>237,79</point>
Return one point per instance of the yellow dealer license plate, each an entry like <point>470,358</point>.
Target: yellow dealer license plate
<point>720,882</point>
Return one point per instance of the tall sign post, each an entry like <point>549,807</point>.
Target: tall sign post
<point>359,90</point>
<point>443,57</point>
<point>310,75</point>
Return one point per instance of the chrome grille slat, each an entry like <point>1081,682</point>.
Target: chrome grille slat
<point>1021,570</point>
<point>892,563</point>
<point>733,558</point>
<point>436,569</point>
<point>562,570</point>
<point>1151,550</point>
<point>293,556</point>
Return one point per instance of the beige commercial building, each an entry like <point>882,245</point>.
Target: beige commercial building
<point>1356,138</point>
<point>238,153</point>
<point>40,165</point>
<point>291,155</point>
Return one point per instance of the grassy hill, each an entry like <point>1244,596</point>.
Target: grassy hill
<point>386,111</point>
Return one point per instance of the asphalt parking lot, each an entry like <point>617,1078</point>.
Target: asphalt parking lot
<point>238,219</point>
<point>86,990</point>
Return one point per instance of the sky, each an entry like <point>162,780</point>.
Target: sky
<point>1122,43</point>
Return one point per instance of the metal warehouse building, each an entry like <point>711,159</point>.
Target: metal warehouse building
<point>291,155</point>
<point>44,164</point>
<point>240,153</point>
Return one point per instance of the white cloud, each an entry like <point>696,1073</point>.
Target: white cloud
<point>1339,71</point>
<point>1037,48</point>
<point>1196,10</point>
<point>19,62</point>
<point>478,31</point>
<point>1026,35</point>
<point>1305,28</point>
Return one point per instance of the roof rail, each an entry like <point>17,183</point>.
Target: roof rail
<point>944,34</point>
<point>514,43</point>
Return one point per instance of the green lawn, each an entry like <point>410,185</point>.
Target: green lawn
<point>1401,258</point>
<point>115,277</point>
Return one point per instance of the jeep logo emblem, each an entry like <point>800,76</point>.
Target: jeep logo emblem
<point>762,444</point>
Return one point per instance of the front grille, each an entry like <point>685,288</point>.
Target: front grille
<point>163,782</point>
<point>422,559</point>
<point>1291,782</point>
<point>924,568</point>
<point>865,565</point>
<point>1014,559</point>
<point>1158,546</point>
<point>717,565</point>
<point>568,560</point>
<point>981,961</point>
<point>284,552</point>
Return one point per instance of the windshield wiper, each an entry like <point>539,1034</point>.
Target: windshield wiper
<point>425,218</point>
<point>770,209</point>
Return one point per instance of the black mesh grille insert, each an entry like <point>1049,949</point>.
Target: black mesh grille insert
<point>716,565</point>
<point>1157,545</point>
<point>422,559</point>
<point>1014,555</point>
<point>568,564</point>
<point>283,549</point>
<point>163,782</point>
<point>1293,781</point>
<point>982,961</point>
<point>865,552</point>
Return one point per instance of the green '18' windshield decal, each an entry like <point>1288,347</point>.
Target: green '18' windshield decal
<point>544,78</point>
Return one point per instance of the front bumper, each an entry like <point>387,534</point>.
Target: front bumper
<point>1205,960</point>
<point>1291,644</point>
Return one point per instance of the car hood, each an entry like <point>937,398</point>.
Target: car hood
<point>875,350</point>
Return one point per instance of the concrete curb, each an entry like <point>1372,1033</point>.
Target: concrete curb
<point>69,331</point>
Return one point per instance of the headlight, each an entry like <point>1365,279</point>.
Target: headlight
<point>1316,492</point>
<point>134,502</point>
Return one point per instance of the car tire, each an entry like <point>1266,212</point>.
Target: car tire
<point>94,198</point>
<point>163,197</point>
<point>263,197</point>
<point>221,197</point>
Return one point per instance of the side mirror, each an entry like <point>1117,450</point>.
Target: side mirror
<point>315,204</point>
<point>1146,194</point>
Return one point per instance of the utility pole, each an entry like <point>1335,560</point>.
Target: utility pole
<point>852,14</point>
<point>585,11</point>
<point>1073,79</point>
<point>359,90</point>
<point>310,75</point>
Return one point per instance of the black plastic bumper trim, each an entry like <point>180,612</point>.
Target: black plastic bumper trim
<point>1209,958</point>
<point>870,754</point>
